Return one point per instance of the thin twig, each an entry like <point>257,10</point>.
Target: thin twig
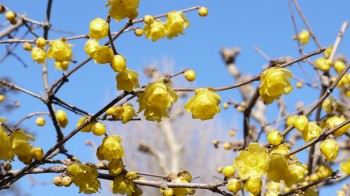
<point>307,24</point>
<point>338,40</point>
<point>13,86</point>
<point>321,99</point>
<point>29,116</point>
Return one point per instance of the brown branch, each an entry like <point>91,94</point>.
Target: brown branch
<point>47,21</point>
<point>8,181</point>
<point>72,108</point>
<point>13,86</point>
<point>165,14</point>
<point>321,99</point>
<point>11,28</point>
<point>110,36</point>
<point>255,78</point>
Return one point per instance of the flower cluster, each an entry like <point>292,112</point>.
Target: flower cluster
<point>309,130</point>
<point>282,167</point>
<point>18,144</point>
<point>61,51</point>
<point>181,177</point>
<point>122,185</point>
<point>274,83</point>
<point>121,9</point>
<point>325,63</point>
<point>334,121</point>
<point>110,148</point>
<point>204,105</point>
<point>156,99</point>
<point>156,29</point>
<point>125,112</point>
<point>127,80</point>
<point>85,177</point>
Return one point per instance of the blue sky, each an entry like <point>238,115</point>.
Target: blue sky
<point>244,24</point>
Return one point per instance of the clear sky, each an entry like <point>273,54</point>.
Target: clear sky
<point>244,24</point>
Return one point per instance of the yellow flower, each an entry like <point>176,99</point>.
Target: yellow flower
<point>20,145</point>
<point>277,167</point>
<point>274,187</point>
<point>176,23</point>
<point>339,66</point>
<point>181,191</point>
<point>234,185</point>
<point>122,185</point>
<point>251,162</point>
<point>345,167</point>
<point>274,83</point>
<point>304,37</point>
<point>323,63</point>
<point>98,28</point>
<point>91,46</point>
<point>60,50</point>
<point>6,152</point>
<point>290,120</point>
<point>118,63</point>
<point>61,118</point>
<point>329,149</point>
<point>324,171</point>
<point>334,121</point>
<point>110,148</point>
<point>274,137</point>
<point>328,51</point>
<point>156,99</point>
<point>115,167</point>
<point>128,113</point>
<point>103,54</point>
<point>127,80</point>
<point>87,128</point>
<point>253,185</point>
<point>61,65</point>
<point>155,30</point>
<point>297,172</point>
<point>312,132</point>
<point>85,177</point>
<point>38,55</point>
<point>2,98</point>
<point>121,9</point>
<point>204,105</point>
<point>301,123</point>
<point>280,149</point>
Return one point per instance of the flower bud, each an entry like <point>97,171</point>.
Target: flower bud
<point>274,137</point>
<point>228,171</point>
<point>190,75</point>
<point>98,28</point>
<point>234,185</point>
<point>301,123</point>
<point>253,185</point>
<point>329,149</point>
